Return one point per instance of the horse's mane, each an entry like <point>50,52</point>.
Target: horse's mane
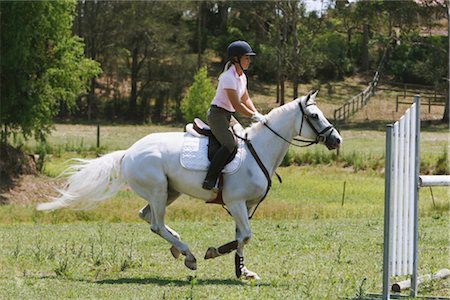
<point>273,114</point>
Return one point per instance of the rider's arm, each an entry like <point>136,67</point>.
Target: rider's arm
<point>238,106</point>
<point>248,102</point>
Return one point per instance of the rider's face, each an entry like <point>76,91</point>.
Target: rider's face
<point>245,62</point>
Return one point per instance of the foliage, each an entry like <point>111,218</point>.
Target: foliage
<point>42,64</point>
<point>198,97</point>
<point>143,48</point>
<point>150,51</point>
<point>333,61</point>
<point>419,59</point>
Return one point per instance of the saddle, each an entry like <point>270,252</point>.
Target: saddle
<point>203,129</point>
<point>200,129</point>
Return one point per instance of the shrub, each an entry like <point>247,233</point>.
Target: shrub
<point>442,164</point>
<point>198,97</point>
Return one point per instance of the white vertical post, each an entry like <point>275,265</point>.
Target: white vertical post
<point>406,195</point>
<point>402,167</point>
<point>411,178</point>
<point>394,195</point>
<point>388,229</point>
<point>406,199</point>
<point>401,201</point>
<point>416,200</point>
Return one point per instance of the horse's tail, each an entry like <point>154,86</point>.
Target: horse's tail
<point>90,182</point>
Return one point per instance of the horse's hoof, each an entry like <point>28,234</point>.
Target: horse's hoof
<point>249,275</point>
<point>175,252</point>
<point>190,262</point>
<point>211,253</point>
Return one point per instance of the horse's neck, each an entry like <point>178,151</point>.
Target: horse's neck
<point>271,148</point>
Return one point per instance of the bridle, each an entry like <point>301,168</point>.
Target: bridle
<point>321,136</point>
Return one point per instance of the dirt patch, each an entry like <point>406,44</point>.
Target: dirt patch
<point>31,189</point>
<point>20,182</point>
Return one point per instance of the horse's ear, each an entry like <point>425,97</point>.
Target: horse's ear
<point>311,96</point>
<point>307,97</point>
<point>314,94</point>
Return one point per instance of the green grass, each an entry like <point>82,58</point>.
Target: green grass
<point>310,240</point>
<point>362,148</point>
<point>307,192</point>
<point>297,259</point>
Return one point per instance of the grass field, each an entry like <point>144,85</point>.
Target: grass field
<point>297,259</point>
<point>311,240</point>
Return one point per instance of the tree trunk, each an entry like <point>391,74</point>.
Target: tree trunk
<point>199,36</point>
<point>223,14</point>
<point>283,56</point>
<point>349,43</point>
<point>295,79</point>
<point>134,78</point>
<point>279,45</point>
<point>92,12</point>
<point>158,108</point>
<point>365,49</point>
<point>446,116</point>
<point>200,25</point>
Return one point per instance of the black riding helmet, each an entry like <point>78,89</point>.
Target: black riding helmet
<point>239,49</point>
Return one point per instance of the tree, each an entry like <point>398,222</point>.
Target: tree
<point>42,65</point>
<point>142,47</point>
<point>198,97</point>
<point>446,116</point>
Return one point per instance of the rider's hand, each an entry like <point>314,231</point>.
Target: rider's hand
<point>259,118</point>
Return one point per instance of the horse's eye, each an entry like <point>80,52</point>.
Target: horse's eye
<point>315,116</point>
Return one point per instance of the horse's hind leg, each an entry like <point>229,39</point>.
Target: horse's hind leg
<point>146,215</point>
<point>157,197</point>
<point>158,211</point>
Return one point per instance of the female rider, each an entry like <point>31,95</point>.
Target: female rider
<point>231,96</point>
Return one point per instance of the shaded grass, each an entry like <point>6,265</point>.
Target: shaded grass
<point>297,259</point>
<point>307,192</point>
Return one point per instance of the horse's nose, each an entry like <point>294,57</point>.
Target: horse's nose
<point>337,142</point>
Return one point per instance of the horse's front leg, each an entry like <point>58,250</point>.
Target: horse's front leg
<point>213,252</point>
<point>239,212</point>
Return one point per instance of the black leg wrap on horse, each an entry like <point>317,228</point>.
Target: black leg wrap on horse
<point>228,247</point>
<point>239,264</point>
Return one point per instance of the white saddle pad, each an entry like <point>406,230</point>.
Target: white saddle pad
<point>194,155</point>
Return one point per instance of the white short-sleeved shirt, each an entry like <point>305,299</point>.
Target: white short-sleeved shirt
<point>229,80</point>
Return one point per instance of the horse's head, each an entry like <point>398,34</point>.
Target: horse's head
<point>314,125</point>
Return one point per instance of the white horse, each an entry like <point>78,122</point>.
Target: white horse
<point>152,168</point>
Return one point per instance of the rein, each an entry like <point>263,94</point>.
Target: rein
<point>263,169</point>
<point>289,142</point>
<point>320,137</point>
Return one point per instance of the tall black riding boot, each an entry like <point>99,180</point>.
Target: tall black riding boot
<point>217,163</point>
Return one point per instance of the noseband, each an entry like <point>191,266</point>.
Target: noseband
<point>321,136</point>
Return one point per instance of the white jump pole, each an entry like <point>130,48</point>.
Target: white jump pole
<point>401,198</point>
<point>434,180</point>
<point>401,211</point>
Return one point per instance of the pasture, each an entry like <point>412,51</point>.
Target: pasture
<point>297,259</point>
<point>311,240</point>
